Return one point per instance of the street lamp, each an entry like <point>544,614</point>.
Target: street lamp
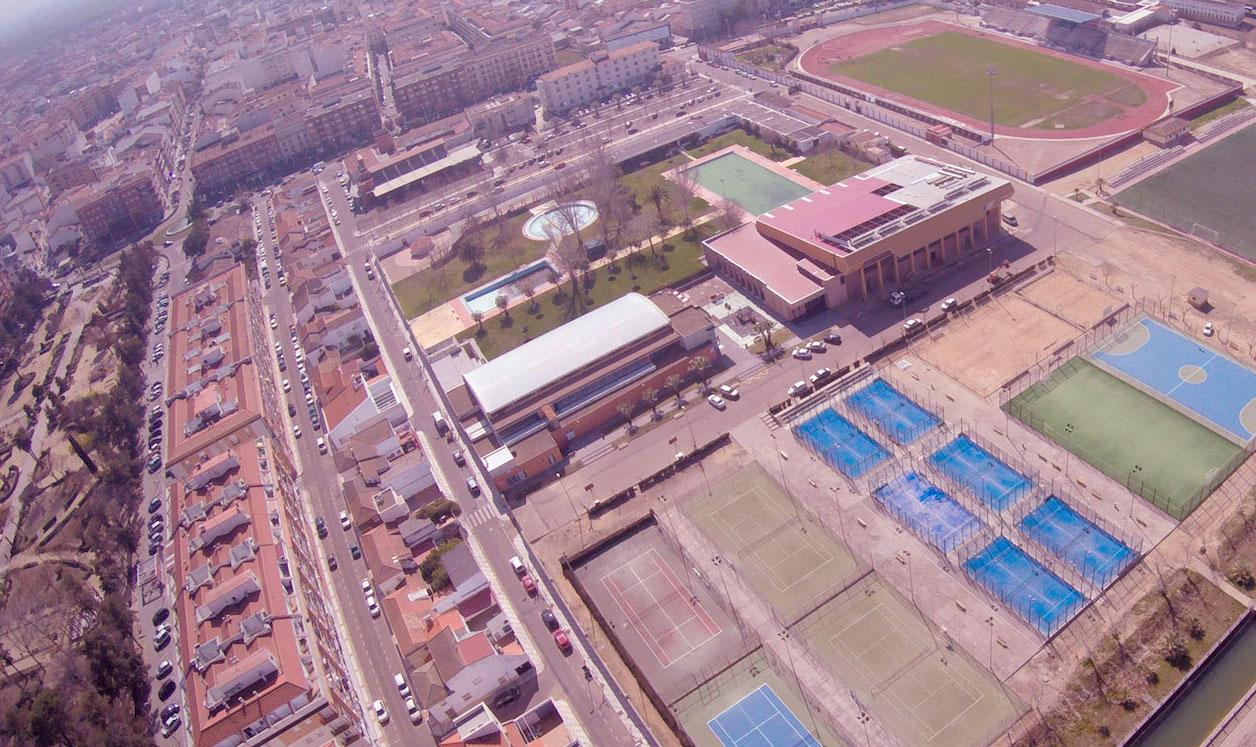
<point>991,71</point>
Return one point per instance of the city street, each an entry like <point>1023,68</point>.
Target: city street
<point>559,675</point>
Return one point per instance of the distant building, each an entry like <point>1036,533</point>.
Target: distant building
<point>87,106</point>
<point>434,154</point>
<point>619,34</point>
<point>698,19</point>
<point>120,207</point>
<point>862,237</point>
<point>1219,12</point>
<point>602,74</point>
<point>524,407</point>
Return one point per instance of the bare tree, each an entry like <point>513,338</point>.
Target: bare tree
<point>686,190</point>
<point>763,329</point>
<point>673,383</point>
<point>626,412</point>
<point>478,316</point>
<point>730,215</point>
<point>503,303</point>
<point>651,398</point>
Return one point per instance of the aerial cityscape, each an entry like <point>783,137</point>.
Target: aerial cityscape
<point>697,373</point>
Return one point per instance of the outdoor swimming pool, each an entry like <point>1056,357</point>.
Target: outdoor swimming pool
<point>746,183</point>
<point>511,286</point>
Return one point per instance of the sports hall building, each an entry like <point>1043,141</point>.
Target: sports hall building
<point>862,237</point>
<point>523,409</point>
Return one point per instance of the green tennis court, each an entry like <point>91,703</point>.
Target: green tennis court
<point>1155,451</point>
<point>745,182</point>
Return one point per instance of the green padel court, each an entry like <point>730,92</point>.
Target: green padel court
<point>1157,452</point>
<point>746,183</point>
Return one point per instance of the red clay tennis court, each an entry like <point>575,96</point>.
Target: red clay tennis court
<point>655,602</point>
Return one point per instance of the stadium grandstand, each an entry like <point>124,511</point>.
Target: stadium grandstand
<point>1070,30</point>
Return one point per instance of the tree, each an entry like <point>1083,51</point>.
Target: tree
<point>730,215</point>
<point>686,190</point>
<point>763,329</point>
<point>701,367</point>
<point>471,245</point>
<point>197,239</point>
<point>478,316</point>
<point>626,413</point>
<point>673,383</point>
<point>503,303</point>
<point>651,398</point>
<point>658,196</point>
<point>529,293</point>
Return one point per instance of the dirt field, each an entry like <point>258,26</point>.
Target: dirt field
<point>993,343</point>
<point>1071,298</point>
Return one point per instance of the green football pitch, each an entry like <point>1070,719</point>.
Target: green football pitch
<point>1031,89</point>
<point>1157,452</point>
<point>1204,193</point>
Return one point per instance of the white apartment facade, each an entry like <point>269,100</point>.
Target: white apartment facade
<point>601,74</point>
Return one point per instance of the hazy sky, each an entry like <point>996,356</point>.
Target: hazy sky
<point>18,18</point>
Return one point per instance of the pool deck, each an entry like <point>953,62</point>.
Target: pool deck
<point>778,168</point>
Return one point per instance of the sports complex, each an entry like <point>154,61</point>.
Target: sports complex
<point>1038,93</point>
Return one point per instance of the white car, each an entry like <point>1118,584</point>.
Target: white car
<point>798,387</point>
<point>287,385</point>
<point>381,713</point>
<point>948,304</point>
<point>912,325</point>
<point>366,586</point>
<point>322,449</point>
<point>412,708</point>
<point>729,392</point>
<point>345,522</point>
<point>816,346</point>
<point>296,431</point>
<point>802,354</point>
<point>717,402</point>
<point>1209,330</point>
<point>372,606</point>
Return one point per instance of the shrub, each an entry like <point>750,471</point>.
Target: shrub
<point>1177,656</point>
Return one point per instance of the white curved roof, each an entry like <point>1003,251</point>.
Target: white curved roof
<point>533,365</point>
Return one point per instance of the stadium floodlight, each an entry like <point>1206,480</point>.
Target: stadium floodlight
<point>991,71</point>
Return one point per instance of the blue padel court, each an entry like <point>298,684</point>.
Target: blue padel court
<point>760,719</point>
<point>1218,389</point>
<point>902,420</point>
<point>980,473</point>
<point>1024,585</point>
<point>1089,550</point>
<point>838,442</point>
<point>933,515</point>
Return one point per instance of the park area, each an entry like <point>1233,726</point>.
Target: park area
<point>1204,194</point>
<point>946,69</point>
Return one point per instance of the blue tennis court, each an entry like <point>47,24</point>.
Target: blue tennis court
<point>980,473</point>
<point>1198,378</point>
<point>930,513</point>
<point>1024,585</point>
<point>846,448</point>
<point>900,418</point>
<point>760,719</point>
<point>1092,552</point>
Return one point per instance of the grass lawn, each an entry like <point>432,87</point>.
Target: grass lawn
<point>641,181</point>
<point>679,258</point>
<point>741,137</point>
<point>769,56</point>
<point>427,289</point>
<point>1206,188</point>
<point>949,70</point>
<point>830,167</point>
<point>1236,105</point>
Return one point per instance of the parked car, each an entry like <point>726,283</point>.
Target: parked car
<point>816,346</point>
<point>372,606</point>
<point>948,304</point>
<point>381,713</point>
<point>459,458</point>
<point>355,552</point>
<point>912,325</point>
<point>412,710</point>
<point>717,402</point>
<point>161,615</point>
<point>163,669</point>
<point>399,680</point>
<point>171,726</point>
<point>820,377</point>
<point>345,522</point>
<point>166,690</point>
<point>331,563</point>
<point>798,388</point>
<point>727,391</point>
<point>562,641</point>
<point>1209,329</point>
<point>801,354</point>
<point>320,526</point>
<point>528,584</point>
<point>547,617</point>
<point>161,638</point>
<point>472,485</point>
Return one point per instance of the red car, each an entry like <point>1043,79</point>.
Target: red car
<point>528,584</point>
<point>561,640</point>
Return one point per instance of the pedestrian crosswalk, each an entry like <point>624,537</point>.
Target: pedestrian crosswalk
<point>481,515</point>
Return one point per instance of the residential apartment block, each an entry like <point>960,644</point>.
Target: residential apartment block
<point>600,75</point>
<point>120,207</point>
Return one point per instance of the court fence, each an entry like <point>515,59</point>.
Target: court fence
<point>918,521</point>
<point>905,435</point>
<point>1048,622</point>
<point>944,439</point>
<point>1098,575</point>
<point>852,468</point>
<point>1175,506</point>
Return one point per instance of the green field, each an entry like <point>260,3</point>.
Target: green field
<point>678,258</point>
<point>737,178</point>
<point>1211,189</point>
<point>1031,89</point>
<point>1154,450</point>
<point>830,167</point>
